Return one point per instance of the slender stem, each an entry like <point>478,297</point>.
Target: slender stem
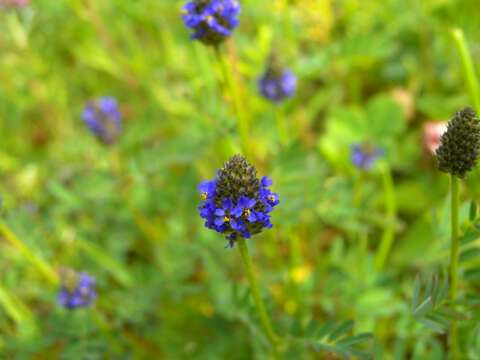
<point>468,68</point>
<point>43,267</point>
<point>282,127</point>
<point>358,189</point>
<point>391,208</point>
<point>454,249</point>
<point>242,120</point>
<point>262,312</point>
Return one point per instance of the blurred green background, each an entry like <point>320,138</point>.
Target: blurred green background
<point>127,214</point>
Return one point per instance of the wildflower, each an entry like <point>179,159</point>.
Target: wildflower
<point>77,289</point>
<point>103,118</point>
<point>460,144</point>
<point>277,83</point>
<point>236,203</point>
<point>432,132</point>
<point>364,155</point>
<point>212,21</point>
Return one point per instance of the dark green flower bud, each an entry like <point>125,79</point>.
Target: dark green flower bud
<point>236,178</point>
<point>460,144</point>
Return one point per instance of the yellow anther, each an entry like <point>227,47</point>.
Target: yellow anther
<point>226,219</point>
<point>204,195</point>
<point>247,212</point>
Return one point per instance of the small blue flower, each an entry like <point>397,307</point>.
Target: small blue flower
<point>222,214</point>
<point>103,118</point>
<point>245,206</point>
<point>236,203</point>
<point>364,155</point>
<point>78,290</point>
<point>212,21</point>
<point>207,189</point>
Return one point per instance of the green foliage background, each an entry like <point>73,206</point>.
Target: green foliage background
<point>127,214</point>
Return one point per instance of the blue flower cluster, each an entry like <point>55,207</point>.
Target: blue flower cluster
<point>103,118</point>
<point>277,86</point>
<point>78,290</point>
<point>212,21</point>
<point>364,155</point>
<point>237,215</point>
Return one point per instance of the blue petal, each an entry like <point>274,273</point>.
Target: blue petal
<point>251,203</point>
<point>219,221</point>
<point>252,217</point>
<point>237,211</point>
<point>220,212</point>
<point>266,181</point>
<point>227,204</point>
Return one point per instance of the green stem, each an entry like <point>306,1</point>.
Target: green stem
<point>391,208</point>
<point>242,120</point>
<point>358,189</point>
<point>282,127</point>
<point>454,249</point>
<point>468,68</point>
<point>262,312</point>
<point>36,261</point>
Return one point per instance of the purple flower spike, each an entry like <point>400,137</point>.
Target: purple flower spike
<point>236,203</point>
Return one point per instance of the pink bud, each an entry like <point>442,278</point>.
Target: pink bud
<point>432,132</point>
<point>12,3</point>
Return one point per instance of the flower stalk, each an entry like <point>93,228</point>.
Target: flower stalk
<point>260,306</point>
<point>235,93</point>
<point>454,252</point>
<point>391,209</point>
<point>282,126</point>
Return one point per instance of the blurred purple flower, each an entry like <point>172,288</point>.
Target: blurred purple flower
<point>364,155</point>
<point>212,21</point>
<point>277,85</point>
<point>103,118</point>
<point>77,289</point>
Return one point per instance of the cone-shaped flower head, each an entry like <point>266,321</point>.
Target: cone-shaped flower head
<point>236,203</point>
<point>277,83</point>
<point>103,118</point>
<point>460,144</point>
<point>77,289</point>
<point>212,21</point>
<point>363,155</point>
